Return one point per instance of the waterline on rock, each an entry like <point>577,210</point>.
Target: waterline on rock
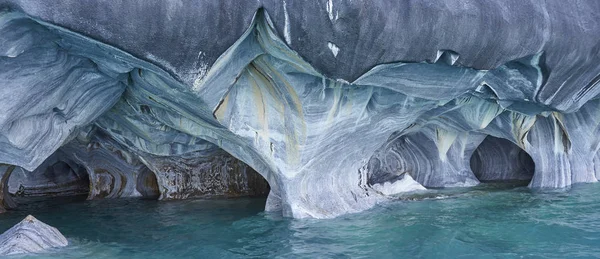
<point>488,220</point>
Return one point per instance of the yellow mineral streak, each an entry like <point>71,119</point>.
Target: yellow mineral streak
<point>521,126</point>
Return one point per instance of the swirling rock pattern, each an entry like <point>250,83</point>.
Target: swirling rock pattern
<point>30,236</point>
<point>45,101</point>
<point>206,175</point>
<point>52,178</point>
<point>113,170</point>
<point>336,118</point>
<point>434,158</point>
<point>92,167</point>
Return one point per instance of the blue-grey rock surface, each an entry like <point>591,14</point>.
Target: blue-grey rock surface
<point>30,236</point>
<point>498,159</point>
<point>338,105</point>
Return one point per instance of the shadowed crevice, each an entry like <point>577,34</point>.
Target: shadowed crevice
<point>499,160</point>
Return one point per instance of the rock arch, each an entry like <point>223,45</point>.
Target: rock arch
<point>499,160</point>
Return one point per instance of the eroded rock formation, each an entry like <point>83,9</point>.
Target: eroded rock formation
<point>336,111</point>
<point>30,236</point>
<point>6,201</point>
<point>206,174</point>
<point>498,159</point>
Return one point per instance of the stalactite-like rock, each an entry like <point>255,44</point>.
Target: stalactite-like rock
<point>30,236</point>
<point>433,157</point>
<point>327,135</point>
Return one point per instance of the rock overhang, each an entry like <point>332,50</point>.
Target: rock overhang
<point>264,104</point>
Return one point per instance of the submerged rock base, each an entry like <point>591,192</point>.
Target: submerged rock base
<point>30,236</point>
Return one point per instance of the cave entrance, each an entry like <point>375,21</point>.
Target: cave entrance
<point>147,184</point>
<point>55,180</point>
<point>209,175</point>
<point>202,176</point>
<point>245,182</point>
<point>112,182</point>
<point>257,185</point>
<point>500,161</point>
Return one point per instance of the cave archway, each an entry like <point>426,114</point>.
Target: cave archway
<point>147,184</point>
<point>202,174</point>
<point>124,181</point>
<point>498,160</point>
<point>54,178</point>
<point>210,174</point>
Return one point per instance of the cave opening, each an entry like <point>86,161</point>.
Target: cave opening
<point>147,185</point>
<point>61,179</point>
<point>257,185</point>
<point>55,181</point>
<point>501,162</point>
<point>199,175</point>
<point>222,176</point>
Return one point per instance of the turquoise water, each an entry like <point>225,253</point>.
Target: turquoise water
<point>482,222</point>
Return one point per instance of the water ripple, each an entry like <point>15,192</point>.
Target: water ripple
<point>482,222</point>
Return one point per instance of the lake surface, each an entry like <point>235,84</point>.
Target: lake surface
<point>489,221</point>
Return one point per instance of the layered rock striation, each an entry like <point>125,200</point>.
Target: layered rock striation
<point>337,112</point>
<point>30,236</point>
